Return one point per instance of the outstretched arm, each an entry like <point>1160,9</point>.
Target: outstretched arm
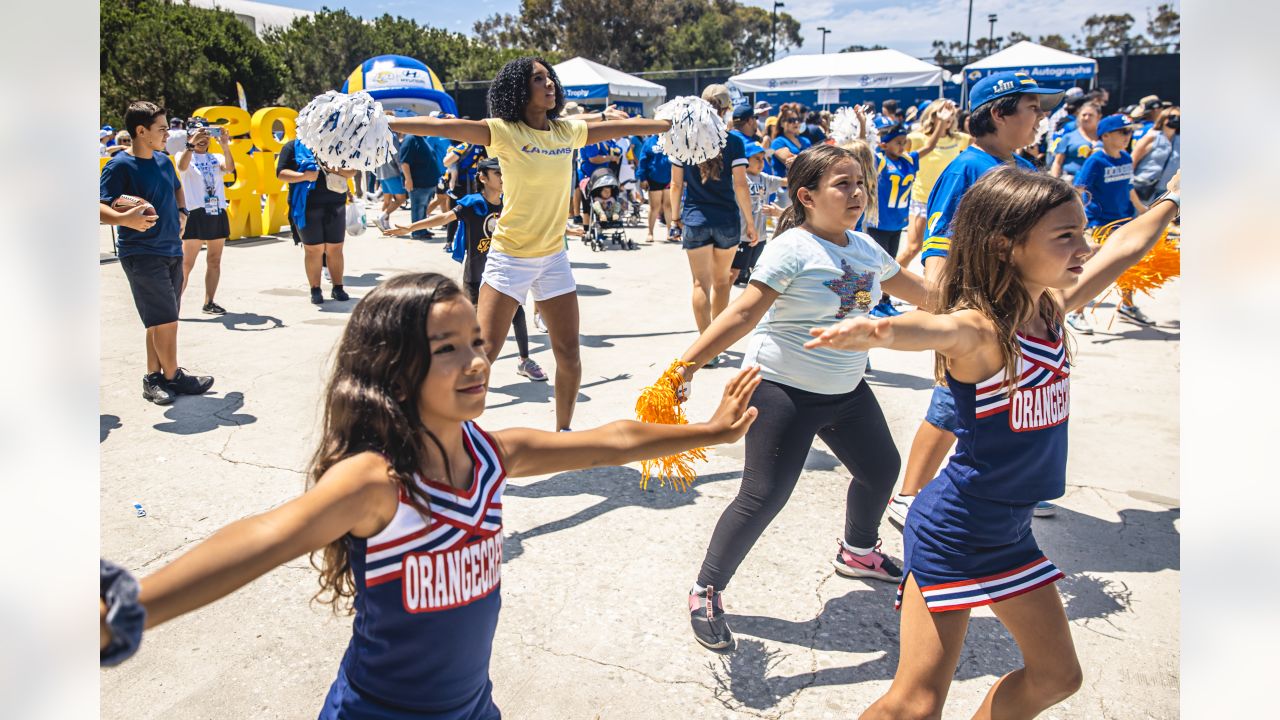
<point>1126,246</point>
<point>354,495</point>
<point>431,221</point>
<point>610,129</point>
<point>472,131</point>
<point>536,452</point>
<point>954,335</point>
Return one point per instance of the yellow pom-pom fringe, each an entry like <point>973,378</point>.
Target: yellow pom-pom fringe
<point>1161,264</point>
<point>659,403</point>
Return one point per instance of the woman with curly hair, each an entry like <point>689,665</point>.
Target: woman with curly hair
<point>535,148</point>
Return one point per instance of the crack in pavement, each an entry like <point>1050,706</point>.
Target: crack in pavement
<point>661,681</point>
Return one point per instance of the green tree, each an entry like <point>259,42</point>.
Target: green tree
<point>1015,37</point>
<point>181,58</point>
<point>320,51</point>
<point>1055,41</point>
<point>1165,29</point>
<point>863,48</point>
<point>1103,33</point>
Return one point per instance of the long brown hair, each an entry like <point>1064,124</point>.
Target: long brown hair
<point>806,171</point>
<point>371,402</point>
<point>995,216</point>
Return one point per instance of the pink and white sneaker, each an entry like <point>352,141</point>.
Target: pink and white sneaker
<point>874,564</point>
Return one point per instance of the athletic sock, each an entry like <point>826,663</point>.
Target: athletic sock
<point>697,590</point>
<point>856,550</point>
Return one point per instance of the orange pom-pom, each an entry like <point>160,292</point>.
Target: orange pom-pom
<point>660,403</point>
<point>1161,264</point>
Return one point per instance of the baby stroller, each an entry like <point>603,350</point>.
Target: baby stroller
<point>605,225</point>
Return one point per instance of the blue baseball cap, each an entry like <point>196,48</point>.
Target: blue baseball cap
<point>999,85</point>
<point>1112,123</point>
<point>889,130</point>
<point>753,149</point>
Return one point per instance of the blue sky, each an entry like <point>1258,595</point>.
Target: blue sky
<point>899,24</point>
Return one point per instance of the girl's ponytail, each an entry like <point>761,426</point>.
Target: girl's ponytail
<point>793,216</point>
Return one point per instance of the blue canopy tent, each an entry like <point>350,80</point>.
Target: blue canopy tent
<point>1048,67</point>
<point>402,84</point>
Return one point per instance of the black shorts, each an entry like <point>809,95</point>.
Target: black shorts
<point>746,257</point>
<point>203,226</point>
<point>887,239</point>
<point>156,284</point>
<point>658,187</point>
<point>326,225</point>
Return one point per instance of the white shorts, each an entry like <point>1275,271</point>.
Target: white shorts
<point>918,208</point>
<point>547,276</point>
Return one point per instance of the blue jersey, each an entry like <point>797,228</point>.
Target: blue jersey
<point>600,149</point>
<point>1074,147</point>
<point>1108,181</point>
<point>654,166</point>
<point>1013,450</point>
<point>959,175</point>
<point>427,596</point>
<point>894,188</point>
<point>782,143</point>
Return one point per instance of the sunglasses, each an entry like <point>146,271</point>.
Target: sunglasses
<point>791,120</point>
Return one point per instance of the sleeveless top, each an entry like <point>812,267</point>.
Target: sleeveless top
<point>427,595</point>
<point>1013,450</point>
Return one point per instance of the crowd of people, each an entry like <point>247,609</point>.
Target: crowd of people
<point>404,506</point>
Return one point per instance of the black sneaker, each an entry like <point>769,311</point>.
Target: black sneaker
<point>706,612</point>
<point>213,308</point>
<point>317,297</point>
<point>155,390</point>
<point>339,294</point>
<point>184,384</point>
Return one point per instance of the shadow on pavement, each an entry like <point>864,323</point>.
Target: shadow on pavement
<point>235,321</point>
<point>617,487</point>
<point>865,622</point>
<point>602,341</point>
<point>369,279</point>
<point>107,423</point>
<point>542,392</point>
<point>194,414</point>
<point>592,291</point>
<point>902,380</point>
<point>589,266</point>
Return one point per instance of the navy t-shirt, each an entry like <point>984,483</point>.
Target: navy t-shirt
<point>424,168</point>
<point>477,219</point>
<point>713,202</point>
<point>1108,181</point>
<point>155,180</point>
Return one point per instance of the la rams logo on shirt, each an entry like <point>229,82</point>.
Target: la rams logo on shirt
<point>535,150</point>
<point>489,224</point>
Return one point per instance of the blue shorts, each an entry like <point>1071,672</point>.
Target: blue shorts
<point>942,410</point>
<point>725,237</point>
<point>393,186</point>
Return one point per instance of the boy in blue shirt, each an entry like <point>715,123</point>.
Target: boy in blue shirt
<point>144,179</point>
<point>1106,181</point>
<point>1006,109</point>
<point>897,170</point>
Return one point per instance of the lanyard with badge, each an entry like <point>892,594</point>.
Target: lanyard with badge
<point>204,163</point>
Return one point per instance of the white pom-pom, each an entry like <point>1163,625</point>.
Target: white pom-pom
<point>697,133</point>
<point>346,131</point>
<point>845,127</point>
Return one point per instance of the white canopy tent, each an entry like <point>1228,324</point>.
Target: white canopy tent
<point>1042,64</point>
<point>838,71</point>
<point>587,82</point>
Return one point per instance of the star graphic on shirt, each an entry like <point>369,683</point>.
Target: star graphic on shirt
<point>853,288</point>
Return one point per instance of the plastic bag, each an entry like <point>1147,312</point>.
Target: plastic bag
<point>355,219</point>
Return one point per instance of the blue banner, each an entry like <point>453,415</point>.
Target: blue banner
<point>583,92</point>
<point>1039,73</point>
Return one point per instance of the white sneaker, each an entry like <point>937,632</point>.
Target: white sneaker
<point>325,272</point>
<point>537,321</point>
<point>899,506</point>
<point>1080,323</point>
<point>1134,314</point>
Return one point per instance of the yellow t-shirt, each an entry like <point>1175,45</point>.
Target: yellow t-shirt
<point>932,165</point>
<point>537,179</point>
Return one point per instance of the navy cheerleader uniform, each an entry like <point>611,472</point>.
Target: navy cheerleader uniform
<point>426,604</point>
<point>968,536</point>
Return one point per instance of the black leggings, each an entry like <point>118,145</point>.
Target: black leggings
<point>851,424</point>
<point>517,322</point>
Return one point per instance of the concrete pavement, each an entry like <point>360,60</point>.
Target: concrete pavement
<point>594,622</point>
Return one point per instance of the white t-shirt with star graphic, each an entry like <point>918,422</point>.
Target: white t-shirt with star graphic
<point>819,283</point>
